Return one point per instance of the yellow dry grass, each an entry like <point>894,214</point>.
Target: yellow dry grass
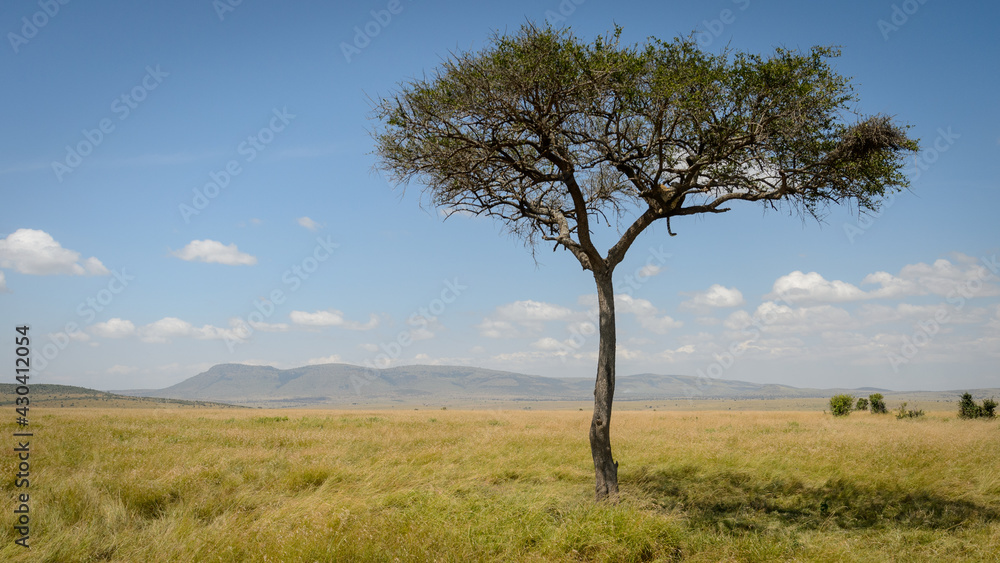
<point>446,485</point>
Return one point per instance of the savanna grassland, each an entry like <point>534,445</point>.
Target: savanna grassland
<point>512,485</point>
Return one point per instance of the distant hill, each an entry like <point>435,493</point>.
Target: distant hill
<point>46,395</point>
<point>344,384</point>
<point>338,384</point>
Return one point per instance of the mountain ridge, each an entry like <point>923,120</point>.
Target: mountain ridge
<point>347,384</point>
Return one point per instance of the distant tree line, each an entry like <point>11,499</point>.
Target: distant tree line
<point>842,405</point>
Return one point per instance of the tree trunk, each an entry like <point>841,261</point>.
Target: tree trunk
<point>605,468</point>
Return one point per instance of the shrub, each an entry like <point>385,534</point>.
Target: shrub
<point>862,404</point>
<point>967,407</point>
<point>841,405</point>
<point>989,408</point>
<point>903,413</point>
<point>877,403</point>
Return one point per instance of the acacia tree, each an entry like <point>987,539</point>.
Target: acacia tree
<point>556,138</point>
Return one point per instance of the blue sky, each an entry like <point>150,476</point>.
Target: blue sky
<point>133,271</point>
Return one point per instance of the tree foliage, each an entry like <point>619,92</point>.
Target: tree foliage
<point>841,405</point>
<point>547,133</point>
<point>877,403</point>
<point>989,408</point>
<point>967,407</point>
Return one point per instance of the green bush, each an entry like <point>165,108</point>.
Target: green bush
<point>841,405</point>
<point>967,407</point>
<point>903,413</point>
<point>989,408</point>
<point>862,404</point>
<point>877,403</point>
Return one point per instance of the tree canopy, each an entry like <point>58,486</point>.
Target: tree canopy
<point>547,134</point>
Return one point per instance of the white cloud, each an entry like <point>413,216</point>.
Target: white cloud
<point>309,224</point>
<point>164,330</point>
<point>113,328</point>
<point>872,314</point>
<point>627,304</point>
<point>554,346</point>
<point>261,326</point>
<point>213,251</point>
<point>333,359</point>
<point>547,343</point>
<point>585,328</point>
<point>659,325</point>
<point>3,284</point>
<point>649,271</point>
<point>715,296</point>
<point>521,318</point>
<point>943,278</point>
<point>168,328</point>
<point>623,353</point>
<point>75,335</point>
<point>420,333</point>
<point>774,318</point>
<point>499,329</point>
<point>891,286</point>
<point>527,311</point>
<point>29,251</point>
<point>940,278</point>
<point>812,287</point>
<point>670,355</point>
<point>330,317</point>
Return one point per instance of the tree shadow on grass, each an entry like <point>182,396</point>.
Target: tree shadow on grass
<point>738,500</point>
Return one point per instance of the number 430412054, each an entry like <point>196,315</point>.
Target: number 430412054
<point>22,366</point>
